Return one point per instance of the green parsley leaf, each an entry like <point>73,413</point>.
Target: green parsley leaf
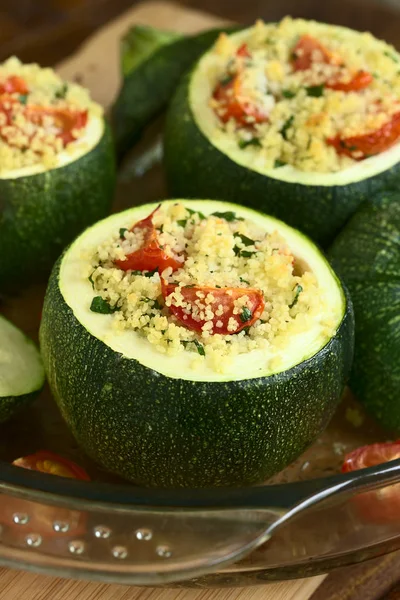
<point>182,223</point>
<point>244,239</point>
<point>157,305</point>
<point>196,212</point>
<point>391,55</point>
<point>62,92</point>
<point>316,91</point>
<point>151,273</point>
<point>288,93</point>
<point>245,315</point>
<point>287,125</point>
<point>187,287</point>
<point>279,163</point>
<point>227,79</point>
<point>298,289</point>
<point>244,281</point>
<point>252,142</point>
<point>99,305</point>
<point>122,232</point>
<point>23,98</point>
<point>91,279</point>
<point>200,348</point>
<point>228,216</point>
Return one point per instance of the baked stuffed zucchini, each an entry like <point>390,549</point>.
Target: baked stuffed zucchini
<point>57,170</point>
<point>21,370</point>
<point>197,343</point>
<point>298,119</point>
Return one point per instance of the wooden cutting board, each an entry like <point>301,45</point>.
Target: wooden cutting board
<point>96,65</point>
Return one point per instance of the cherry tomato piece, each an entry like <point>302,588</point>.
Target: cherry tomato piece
<point>48,462</point>
<point>234,107</point>
<point>383,505</point>
<point>359,81</point>
<point>307,51</point>
<point>192,316</point>
<point>66,121</point>
<point>151,256</point>
<point>363,146</point>
<point>244,51</point>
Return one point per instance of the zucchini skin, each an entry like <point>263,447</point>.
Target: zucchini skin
<point>12,405</point>
<point>159,431</point>
<point>147,89</point>
<point>40,214</point>
<point>197,169</point>
<point>367,255</point>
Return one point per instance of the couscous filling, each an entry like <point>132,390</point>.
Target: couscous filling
<point>40,115</point>
<point>215,285</point>
<point>305,94</point>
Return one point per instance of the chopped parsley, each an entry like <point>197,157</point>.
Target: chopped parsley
<point>344,145</point>
<point>288,93</point>
<point>244,253</point>
<point>244,239</point>
<point>227,79</point>
<point>200,348</point>
<point>244,281</point>
<point>99,305</point>
<point>156,304</point>
<point>151,273</point>
<point>62,92</point>
<point>182,223</point>
<point>245,315</point>
<point>287,125</point>
<point>188,287</point>
<point>391,55</point>
<point>196,212</point>
<point>122,232</point>
<point>91,279</point>
<point>23,98</point>
<point>228,216</point>
<point>298,290</point>
<point>252,142</point>
<point>279,163</point>
<point>316,91</point>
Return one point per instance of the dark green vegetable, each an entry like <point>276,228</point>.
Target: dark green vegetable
<point>297,293</point>
<point>367,256</point>
<point>288,94</point>
<point>62,91</point>
<point>252,142</point>
<point>287,125</point>
<point>170,426</point>
<point>228,216</point>
<point>199,347</point>
<point>279,163</point>
<point>316,91</point>
<point>99,305</point>
<point>122,232</point>
<point>21,370</point>
<point>245,315</point>
<point>153,61</point>
<point>40,214</point>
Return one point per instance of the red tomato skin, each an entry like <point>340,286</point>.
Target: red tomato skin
<point>222,297</point>
<point>369,144</point>
<point>244,51</point>
<point>303,53</point>
<point>360,81</point>
<point>151,256</point>
<point>381,506</point>
<point>227,96</point>
<point>36,462</point>
<point>14,85</point>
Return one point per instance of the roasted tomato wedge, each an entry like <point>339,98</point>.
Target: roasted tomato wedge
<point>47,462</point>
<point>359,81</point>
<point>196,306</point>
<point>244,51</point>
<point>64,121</point>
<point>233,106</point>
<point>150,256</point>
<point>14,85</point>
<point>362,146</point>
<point>309,51</point>
<point>42,517</point>
<point>382,505</point>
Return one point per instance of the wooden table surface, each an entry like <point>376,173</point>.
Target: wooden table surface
<point>49,30</point>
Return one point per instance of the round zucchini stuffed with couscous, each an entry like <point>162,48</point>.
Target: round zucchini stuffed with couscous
<point>196,343</point>
<point>57,169</point>
<point>299,119</point>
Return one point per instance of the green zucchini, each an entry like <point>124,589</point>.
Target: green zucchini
<point>42,211</point>
<point>200,162</point>
<point>151,418</point>
<point>153,61</point>
<point>21,370</point>
<point>367,255</point>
